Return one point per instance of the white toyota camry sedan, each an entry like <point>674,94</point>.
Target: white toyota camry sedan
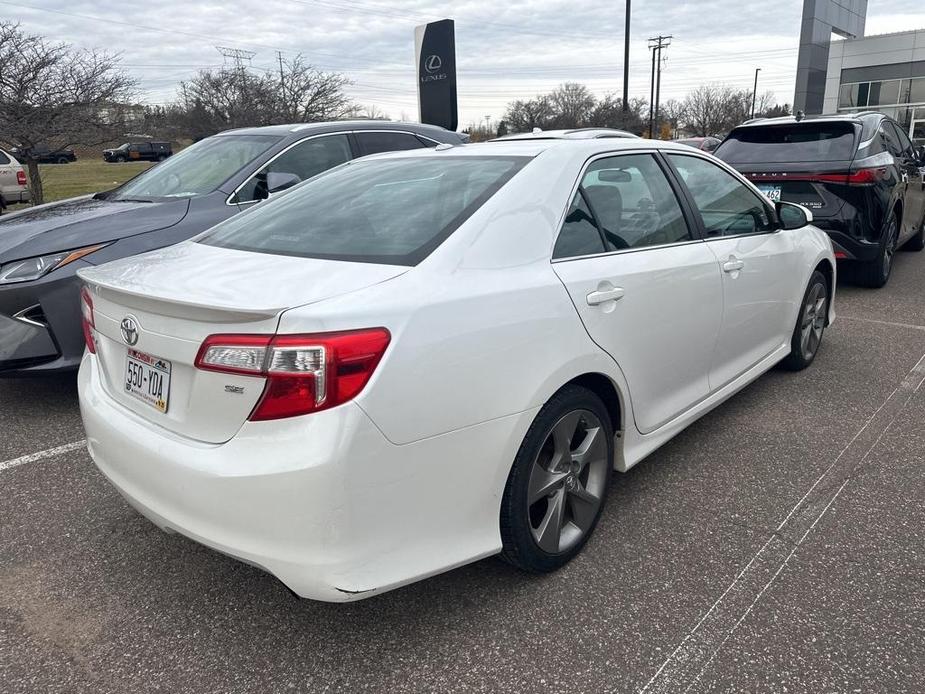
<point>424,358</point>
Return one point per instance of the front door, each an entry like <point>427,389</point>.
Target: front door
<point>647,290</point>
<point>758,264</point>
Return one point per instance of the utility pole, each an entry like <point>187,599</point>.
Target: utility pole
<point>656,44</point>
<point>282,81</point>
<point>626,60</point>
<point>651,91</point>
<point>755,90</point>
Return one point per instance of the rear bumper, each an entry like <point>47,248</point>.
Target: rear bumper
<point>11,197</point>
<point>846,240</point>
<point>323,502</point>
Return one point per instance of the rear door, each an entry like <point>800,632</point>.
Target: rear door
<point>759,264</point>
<point>911,180</point>
<point>647,288</point>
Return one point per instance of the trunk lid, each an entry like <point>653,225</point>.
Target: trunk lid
<point>783,159</point>
<point>178,296</point>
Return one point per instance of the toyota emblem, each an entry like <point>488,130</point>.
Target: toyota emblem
<point>129,329</point>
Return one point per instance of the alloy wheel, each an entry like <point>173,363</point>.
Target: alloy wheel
<point>567,482</point>
<point>890,249</point>
<point>813,323</point>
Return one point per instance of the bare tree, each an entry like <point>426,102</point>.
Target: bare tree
<point>308,94</point>
<point>609,113</point>
<point>55,95</point>
<point>235,97</point>
<point>572,104</point>
<point>673,114</point>
<point>523,116</point>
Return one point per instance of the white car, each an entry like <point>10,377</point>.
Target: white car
<point>14,186</point>
<point>424,358</point>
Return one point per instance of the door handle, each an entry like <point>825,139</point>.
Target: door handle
<point>599,297</point>
<point>733,265</point>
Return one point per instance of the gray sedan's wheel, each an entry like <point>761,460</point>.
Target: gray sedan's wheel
<point>557,486</point>
<point>807,334</point>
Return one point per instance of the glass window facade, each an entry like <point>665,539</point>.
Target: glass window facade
<point>902,100</point>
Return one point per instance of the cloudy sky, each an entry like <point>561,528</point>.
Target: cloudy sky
<point>508,50</point>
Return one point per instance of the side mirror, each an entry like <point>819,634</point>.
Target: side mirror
<point>792,216</point>
<point>278,181</point>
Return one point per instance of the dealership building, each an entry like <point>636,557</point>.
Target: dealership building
<point>883,73</point>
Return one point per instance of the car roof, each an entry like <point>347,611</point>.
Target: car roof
<point>859,117</point>
<point>534,147</point>
<point>300,129</point>
<point>568,134</point>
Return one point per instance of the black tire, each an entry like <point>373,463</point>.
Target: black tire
<point>876,273</point>
<point>917,242</point>
<point>575,500</point>
<point>810,324</point>
<point>62,160</point>
<point>160,157</point>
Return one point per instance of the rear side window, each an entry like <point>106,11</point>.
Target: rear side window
<point>4,159</point>
<point>804,142</point>
<point>391,211</point>
<point>375,142</point>
<point>579,235</point>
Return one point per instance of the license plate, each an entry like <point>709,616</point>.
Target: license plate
<point>772,192</point>
<point>148,379</point>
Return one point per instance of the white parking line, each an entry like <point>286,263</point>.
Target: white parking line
<point>47,453</point>
<point>697,650</point>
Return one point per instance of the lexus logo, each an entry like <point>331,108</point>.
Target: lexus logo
<point>433,63</point>
<point>129,329</point>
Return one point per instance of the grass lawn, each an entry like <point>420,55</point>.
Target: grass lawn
<point>85,176</point>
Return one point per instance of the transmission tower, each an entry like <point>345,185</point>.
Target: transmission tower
<point>236,56</point>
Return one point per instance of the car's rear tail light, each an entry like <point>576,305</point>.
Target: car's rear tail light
<point>854,178</point>
<point>21,177</point>
<point>86,311</point>
<point>305,373</point>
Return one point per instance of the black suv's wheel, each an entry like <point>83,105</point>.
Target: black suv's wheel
<point>917,242</point>
<point>876,273</point>
<point>62,160</point>
<point>556,489</point>
<point>807,333</point>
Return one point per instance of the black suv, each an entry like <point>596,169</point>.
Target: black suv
<point>139,151</point>
<point>858,173</point>
<point>44,154</point>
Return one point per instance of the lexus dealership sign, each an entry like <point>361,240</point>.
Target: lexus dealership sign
<point>435,53</point>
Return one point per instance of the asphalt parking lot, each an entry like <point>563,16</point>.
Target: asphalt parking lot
<point>776,545</point>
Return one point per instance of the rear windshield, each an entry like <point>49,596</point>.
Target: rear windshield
<point>805,142</point>
<point>391,211</point>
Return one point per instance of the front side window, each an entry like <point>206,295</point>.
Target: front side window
<point>726,205</point>
<point>376,142</point>
<point>304,160</point>
<point>199,169</point>
<point>399,211</point>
